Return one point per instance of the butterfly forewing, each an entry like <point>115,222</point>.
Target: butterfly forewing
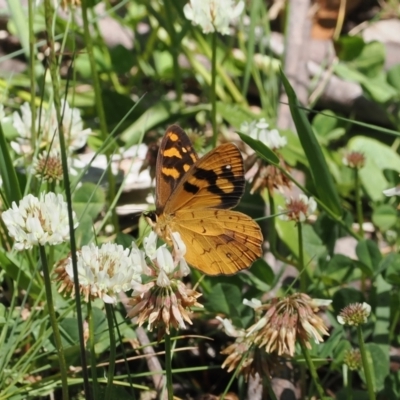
<point>175,157</point>
<point>213,181</point>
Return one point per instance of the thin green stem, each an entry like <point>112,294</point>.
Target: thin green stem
<point>302,272</point>
<point>99,106</point>
<point>349,384</point>
<point>111,365</point>
<point>357,186</point>
<point>364,358</point>
<point>213,96</point>
<point>360,218</point>
<point>53,66</point>
<point>225,78</point>
<point>313,371</point>
<point>93,358</point>
<point>54,324</point>
<point>168,366</point>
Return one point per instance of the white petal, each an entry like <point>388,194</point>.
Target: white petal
<point>392,191</point>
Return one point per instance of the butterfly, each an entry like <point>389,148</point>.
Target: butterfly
<point>194,197</point>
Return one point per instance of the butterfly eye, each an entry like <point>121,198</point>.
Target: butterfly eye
<point>151,217</point>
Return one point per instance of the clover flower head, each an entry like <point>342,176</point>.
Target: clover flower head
<point>213,15</point>
<point>354,160</point>
<point>286,321</point>
<point>354,314</point>
<point>298,209</point>
<point>48,166</point>
<point>103,271</point>
<point>164,301</point>
<point>47,127</point>
<point>38,221</point>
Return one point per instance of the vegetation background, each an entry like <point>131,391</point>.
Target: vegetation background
<point>326,74</point>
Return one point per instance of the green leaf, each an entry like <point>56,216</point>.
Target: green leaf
<point>378,157</point>
<point>89,199</point>
<point>384,217</point>
<point>391,269</point>
<point>328,127</point>
<point>226,299</point>
<point>369,254</point>
<point>340,268</point>
<point>393,77</point>
<point>260,148</point>
<point>368,58</point>
<point>322,178</point>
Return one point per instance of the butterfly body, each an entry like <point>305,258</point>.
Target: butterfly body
<point>194,196</point>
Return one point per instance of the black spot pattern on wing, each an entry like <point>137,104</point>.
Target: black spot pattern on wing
<point>229,199</point>
<point>190,188</point>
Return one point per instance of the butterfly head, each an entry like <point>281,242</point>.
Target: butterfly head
<point>159,225</point>
<point>151,218</point>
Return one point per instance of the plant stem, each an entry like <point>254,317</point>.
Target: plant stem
<point>49,13</point>
<point>349,384</point>
<point>367,370</point>
<point>168,366</point>
<point>357,185</point>
<point>54,324</point>
<point>302,272</point>
<point>360,219</point>
<point>111,365</point>
<point>313,371</point>
<point>93,368</point>
<point>213,86</point>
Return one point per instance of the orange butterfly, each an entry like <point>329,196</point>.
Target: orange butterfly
<point>194,196</point>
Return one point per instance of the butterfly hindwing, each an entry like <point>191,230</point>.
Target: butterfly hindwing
<point>213,181</point>
<point>218,241</point>
<point>175,157</point>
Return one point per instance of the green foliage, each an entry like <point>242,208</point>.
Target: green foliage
<point>128,94</point>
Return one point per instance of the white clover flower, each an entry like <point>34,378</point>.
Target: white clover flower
<point>213,15</point>
<point>298,209</point>
<point>230,330</point>
<point>179,253</point>
<point>105,271</point>
<point>260,130</point>
<point>150,245</point>
<point>392,191</point>
<point>47,128</point>
<point>38,221</point>
<point>253,303</point>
